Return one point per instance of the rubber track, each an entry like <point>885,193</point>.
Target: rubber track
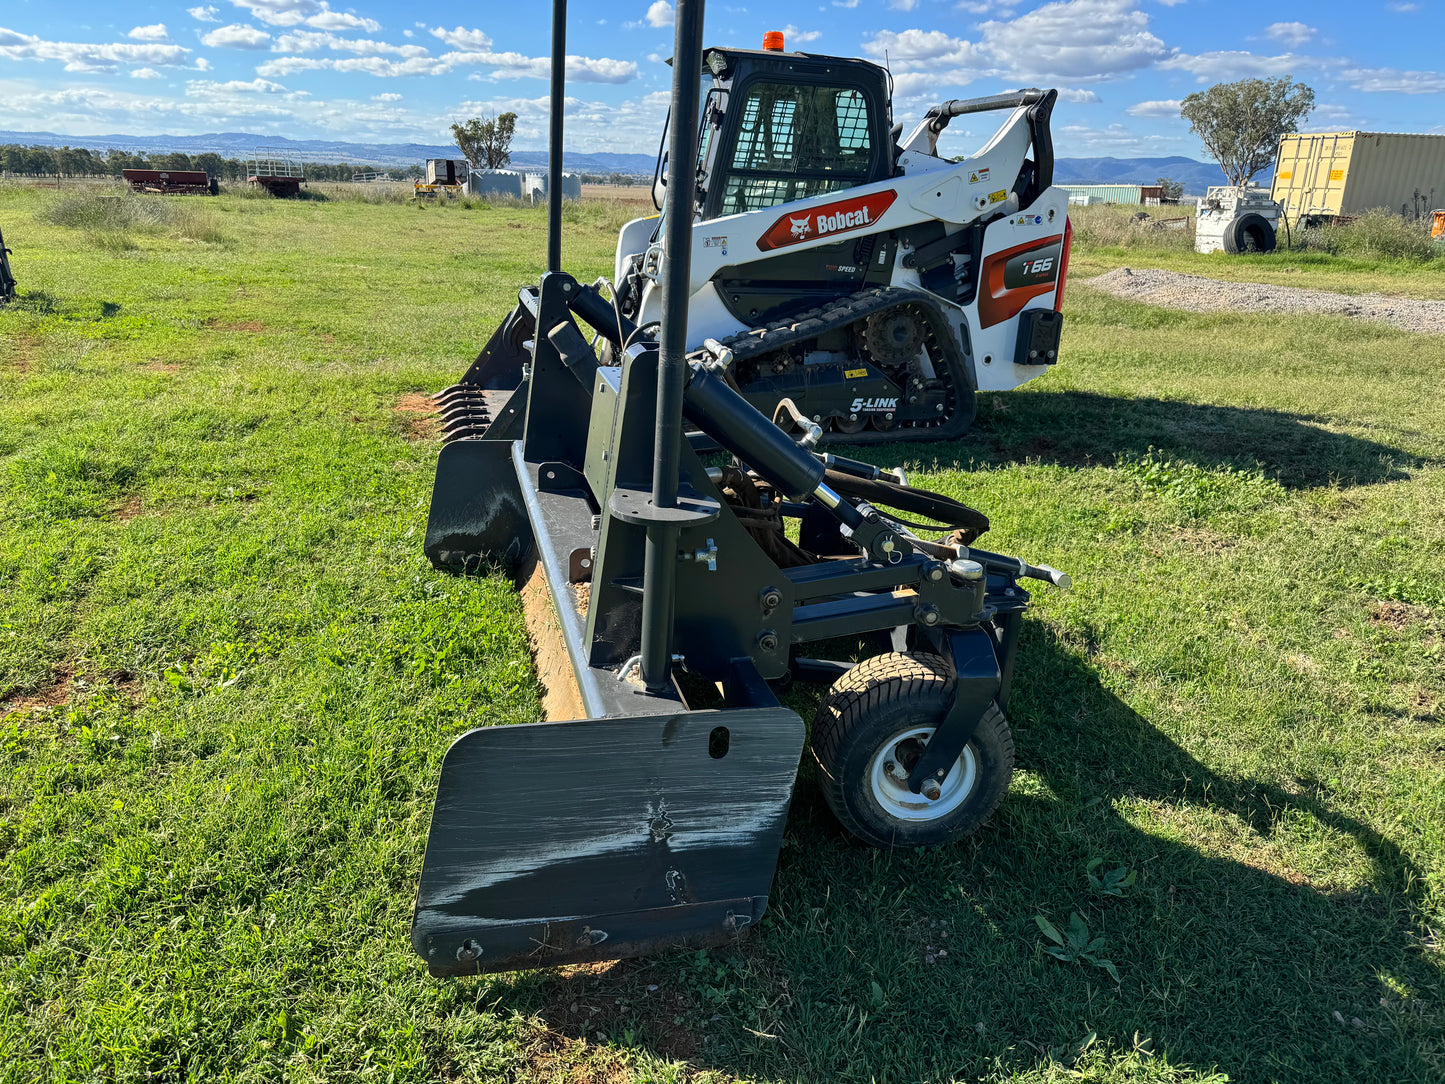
<point>781,334</point>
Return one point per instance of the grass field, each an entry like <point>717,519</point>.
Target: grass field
<point>228,677</point>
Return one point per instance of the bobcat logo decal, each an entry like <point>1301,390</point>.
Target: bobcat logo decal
<point>841,216</point>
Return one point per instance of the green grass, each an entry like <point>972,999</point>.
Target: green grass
<point>1378,253</point>
<point>229,677</point>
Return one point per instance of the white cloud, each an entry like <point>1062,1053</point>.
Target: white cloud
<point>986,7</point>
<point>1075,39</point>
<point>473,47</point>
<point>1394,81</point>
<point>1291,34</point>
<point>88,57</point>
<point>1403,8</point>
<point>792,35</point>
<point>472,40</point>
<point>155,32</point>
<point>367,65</point>
<point>145,73</point>
<point>660,14</point>
<point>1113,139</point>
<point>388,97</point>
<point>591,125</point>
<point>1330,111</point>
<point>902,5</point>
<point>1171,3</point>
<point>342,20</point>
<point>316,13</point>
<point>281,12</point>
<point>311,41</point>
<point>1221,65</point>
<point>237,36</point>
<point>202,64</point>
<point>1165,107</point>
<point>202,88</point>
<point>207,13</point>
<point>922,50</point>
<point>845,3</point>
<point>1077,95</point>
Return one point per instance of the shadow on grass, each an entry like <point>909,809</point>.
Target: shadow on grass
<point>1076,429</point>
<point>929,966</point>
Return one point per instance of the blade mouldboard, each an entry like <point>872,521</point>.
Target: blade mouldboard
<point>561,842</point>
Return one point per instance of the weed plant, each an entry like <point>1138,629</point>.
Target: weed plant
<point>111,218</point>
<point>1114,226</point>
<point>1375,235</point>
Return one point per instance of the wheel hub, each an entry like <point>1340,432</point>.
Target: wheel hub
<point>888,778</point>
<point>894,336</point>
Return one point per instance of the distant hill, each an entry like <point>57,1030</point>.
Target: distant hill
<point>1197,176</point>
<point>241,144</point>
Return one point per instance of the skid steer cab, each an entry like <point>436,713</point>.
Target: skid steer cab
<point>839,264</point>
<point>670,589</point>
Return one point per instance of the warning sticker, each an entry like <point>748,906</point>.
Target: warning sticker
<point>1285,175</point>
<point>978,176</point>
<point>999,196</point>
<point>853,374</point>
<point>1337,175</point>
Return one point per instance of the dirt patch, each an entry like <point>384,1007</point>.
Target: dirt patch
<point>1196,293</point>
<point>555,1056</point>
<point>49,696</point>
<point>127,509</point>
<point>418,414</point>
<point>1204,540</point>
<point>1422,704</point>
<point>156,365</point>
<point>1397,615</point>
<point>254,326</point>
<point>560,696</point>
<point>19,360</point>
<point>587,999</point>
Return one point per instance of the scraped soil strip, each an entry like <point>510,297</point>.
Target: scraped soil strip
<point>1198,294</point>
<point>561,699</point>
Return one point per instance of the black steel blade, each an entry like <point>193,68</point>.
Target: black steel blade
<point>598,839</point>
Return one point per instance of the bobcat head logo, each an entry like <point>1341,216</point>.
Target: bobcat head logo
<point>801,227</point>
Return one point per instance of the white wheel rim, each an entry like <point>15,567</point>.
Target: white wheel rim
<point>890,787</point>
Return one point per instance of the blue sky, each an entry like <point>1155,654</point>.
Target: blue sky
<point>318,69</point>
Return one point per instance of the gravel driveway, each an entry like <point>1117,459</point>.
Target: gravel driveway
<point>1199,294</point>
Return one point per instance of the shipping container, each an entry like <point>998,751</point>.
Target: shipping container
<point>1333,175</point>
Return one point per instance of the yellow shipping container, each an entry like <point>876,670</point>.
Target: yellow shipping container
<point>1348,173</point>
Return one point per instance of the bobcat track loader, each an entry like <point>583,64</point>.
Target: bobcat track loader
<point>670,594</point>
<point>835,263</point>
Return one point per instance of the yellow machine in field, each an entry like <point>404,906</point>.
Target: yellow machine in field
<point>444,177</point>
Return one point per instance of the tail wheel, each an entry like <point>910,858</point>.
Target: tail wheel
<point>870,731</point>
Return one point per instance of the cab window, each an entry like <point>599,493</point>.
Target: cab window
<point>796,141</point>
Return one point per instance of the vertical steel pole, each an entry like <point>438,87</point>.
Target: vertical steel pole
<point>660,563</point>
<point>554,135</point>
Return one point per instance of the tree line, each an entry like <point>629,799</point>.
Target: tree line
<point>41,161</point>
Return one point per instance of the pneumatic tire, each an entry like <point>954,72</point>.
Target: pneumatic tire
<point>1249,232</point>
<point>870,729</point>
